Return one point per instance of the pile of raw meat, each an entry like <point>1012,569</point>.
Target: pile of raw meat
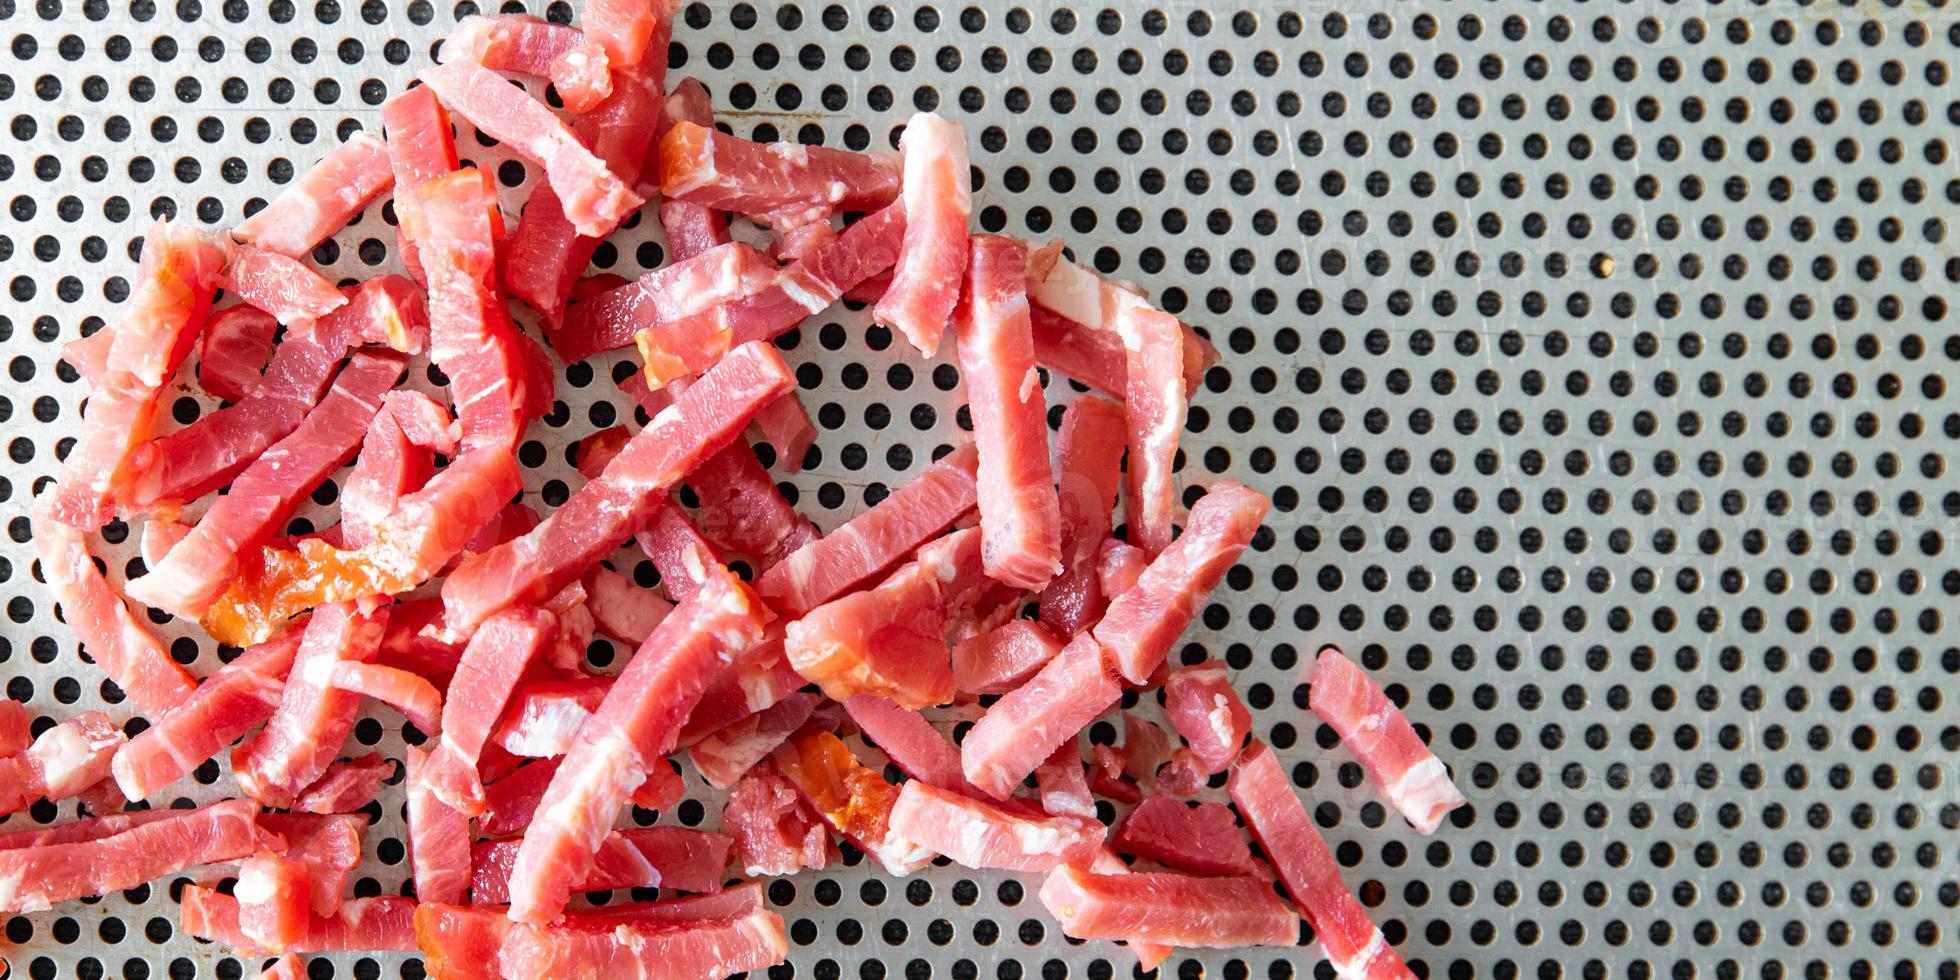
<point>996,580</point>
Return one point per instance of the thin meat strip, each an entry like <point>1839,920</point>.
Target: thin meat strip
<point>1379,735</point>
<point>1168,909</point>
<point>500,651</point>
<point>306,731</point>
<point>788,183</point>
<point>1089,453</point>
<point>324,198</point>
<point>123,646</point>
<point>34,878</point>
<point>224,707</point>
<point>938,196</point>
<point>1021,730</point>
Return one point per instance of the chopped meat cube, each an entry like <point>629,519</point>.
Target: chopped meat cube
<point>875,539</point>
<point>1003,658</point>
<point>1142,623</point>
<point>583,77</point>
<point>1090,459</point>
<point>232,351</point>
<point>979,834</point>
<point>1202,839</point>
<point>643,857</point>
<point>938,196</point>
<point>1171,909</point>
<point>1207,712</point>
<point>787,183</point>
<point>122,645</point>
<point>313,718</point>
<point>1411,777</point>
<point>776,830</point>
<point>1027,724</point>
<point>438,837</point>
<point>33,878</point>
<point>630,30</point>
<point>726,755</point>
<point>346,786</point>
<point>322,200</point>
<point>280,285</point>
<point>854,800</point>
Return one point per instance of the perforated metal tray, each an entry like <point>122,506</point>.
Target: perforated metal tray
<point>1593,355</point>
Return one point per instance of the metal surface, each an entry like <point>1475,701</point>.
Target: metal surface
<point>1593,355</point>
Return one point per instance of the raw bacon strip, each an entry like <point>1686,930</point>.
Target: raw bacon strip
<point>979,834</point>
<point>1064,786</point>
<point>889,640</point>
<point>1202,840</point>
<point>785,425</point>
<point>546,254</point>
<point>1003,658</point>
<point>535,47</point>
<point>200,568</point>
<point>543,718</point>
<point>854,800</point>
<point>594,198</point>
<point>16,727</point>
<point>510,802</point>
<point>1027,724</point>
<point>33,879</point>
<point>224,707</point>
<point>324,198</point>
<point>759,677</point>
<point>910,741</point>
<point>776,830</point>
<point>208,453</point>
<point>787,182</point>
<point>725,756</point>
<point>683,288</point>
<point>573,537</point>
<point>406,692</point>
<point>622,609</point>
<point>1090,454</point>
<point>122,645</point>
<point>1272,811</point>
<point>1154,403</point>
<point>313,718</point>
<point>66,760</point>
<point>645,857</point>
<point>615,946</point>
<point>232,351</point>
<point>438,838</point>
<point>686,346</point>
<point>274,903</point>
<point>1170,909</point>
<point>679,553</point>
<point>494,385</point>
<point>873,540</point>
<point>1380,736</point>
<point>365,924</point>
<point>85,830</point>
<point>1118,567</point>
<point>346,786</point>
<point>397,458</point>
<point>938,192</point>
<point>497,655</point>
<point>328,846</point>
<point>280,285</point>
<point>1142,623</point>
<point>635,726</point>
<point>1020,518</point>
<point>1075,328</point>
<point>180,272</point>
<point>691,229</point>
<point>421,148</point>
<point>1207,712</point>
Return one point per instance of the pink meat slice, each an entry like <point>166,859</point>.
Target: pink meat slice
<point>1089,471</point>
<point>438,837</point>
<point>63,762</point>
<point>200,568</point>
<point>178,275</point>
<point>757,678</point>
<point>1207,712</point>
<point>407,692</point>
<point>421,148</point>
<point>1003,658</point>
<point>465,942</point>
<point>708,416</point>
<point>643,857</point>
<point>510,42</point>
<point>1020,516</point>
<point>208,453</point>
<point>686,346</point>
<point>1154,403</point>
<point>366,924</point>
<point>1063,785</point>
<point>84,830</point>
<point>979,834</point>
<point>34,878</point>
<point>1380,736</point>
<point>232,351</point>
<point>938,198</point>
<point>786,426</point>
<point>775,830</point>
<point>623,609</point>
<point>725,756</point>
<point>632,951</point>
<point>1202,839</point>
<point>305,732</point>
<point>741,512</point>
<point>629,30</point>
<point>684,559</point>
<point>1119,565</point>
<point>1142,623</point>
<point>510,802</point>
<point>875,539</point>
<point>635,726</point>
<point>500,651</point>
<point>544,717</point>
<point>683,288</point>
<point>224,707</point>
<point>280,285</point>
<point>786,182</point>
<point>397,458</point>
<point>1075,329</point>
<point>1145,747</point>
<point>346,786</point>
<point>273,900</point>
<point>1169,909</point>
<point>691,229</point>
<point>122,645</point>
<point>910,741</point>
<point>583,77</point>
<point>324,198</point>
<point>16,728</point>
<point>328,845</point>
<point>594,198</point>
<point>1026,725</point>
